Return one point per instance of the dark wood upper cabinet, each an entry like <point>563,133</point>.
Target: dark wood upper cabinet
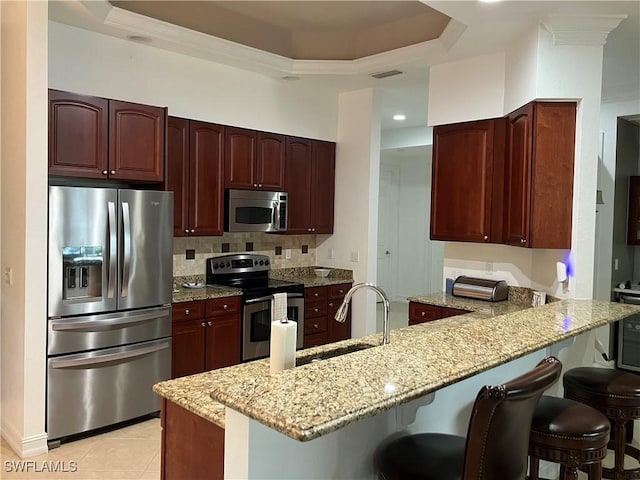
<point>270,164</point>
<point>136,141</point>
<point>96,137</point>
<point>78,135</point>
<point>177,172</point>
<point>254,160</point>
<point>298,184</point>
<point>539,162</point>
<point>206,180</point>
<point>194,173</point>
<point>463,181</point>
<point>323,173</point>
<point>633,229</point>
<point>310,183</point>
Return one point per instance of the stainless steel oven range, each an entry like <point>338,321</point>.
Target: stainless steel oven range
<point>250,273</point>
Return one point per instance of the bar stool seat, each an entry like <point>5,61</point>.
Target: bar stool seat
<point>617,395</point>
<point>495,447</point>
<point>569,433</point>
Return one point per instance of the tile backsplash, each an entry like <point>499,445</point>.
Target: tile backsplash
<point>275,246</point>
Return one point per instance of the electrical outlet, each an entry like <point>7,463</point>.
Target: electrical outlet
<point>355,256</point>
<point>489,267</point>
<point>287,254</point>
<point>330,254</point>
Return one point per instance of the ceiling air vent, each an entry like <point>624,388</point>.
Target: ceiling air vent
<point>389,73</point>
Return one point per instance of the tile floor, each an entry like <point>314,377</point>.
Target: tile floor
<point>128,453</point>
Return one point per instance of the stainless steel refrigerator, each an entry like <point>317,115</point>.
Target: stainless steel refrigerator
<point>109,305</point>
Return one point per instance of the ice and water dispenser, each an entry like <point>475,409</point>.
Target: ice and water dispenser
<point>82,272</point>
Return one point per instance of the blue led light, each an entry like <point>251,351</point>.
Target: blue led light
<point>570,264</point>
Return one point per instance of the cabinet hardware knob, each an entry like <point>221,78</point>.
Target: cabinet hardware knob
<point>522,240</point>
<point>315,310</point>
<point>313,229</point>
<point>113,172</point>
<point>203,324</point>
<point>209,323</point>
<point>486,237</point>
<point>193,230</point>
<point>260,185</point>
<point>187,312</point>
<point>315,325</point>
<point>186,231</point>
<point>104,172</point>
<point>423,313</point>
<point>255,185</point>
<point>315,294</point>
<point>308,229</point>
<point>331,304</point>
<point>225,306</point>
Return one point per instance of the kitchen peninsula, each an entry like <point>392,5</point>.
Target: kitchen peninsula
<point>325,419</point>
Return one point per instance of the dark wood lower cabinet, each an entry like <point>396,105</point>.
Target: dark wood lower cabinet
<point>422,312</point>
<point>320,307</point>
<point>192,447</point>
<point>223,342</point>
<point>187,347</point>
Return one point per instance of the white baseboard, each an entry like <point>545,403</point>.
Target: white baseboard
<point>24,447</point>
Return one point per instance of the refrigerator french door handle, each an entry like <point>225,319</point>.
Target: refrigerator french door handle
<point>109,321</point>
<point>109,357</point>
<point>113,245</point>
<point>126,221</point>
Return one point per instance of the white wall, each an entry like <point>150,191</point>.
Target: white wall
<point>95,64</point>
<point>465,90</point>
<point>406,137</point>
<point>356,200</point>
<point>24,236</point>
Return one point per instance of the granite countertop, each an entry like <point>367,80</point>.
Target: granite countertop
<point>478,307</point>
<point>319,398</point>
<point>304,275</point>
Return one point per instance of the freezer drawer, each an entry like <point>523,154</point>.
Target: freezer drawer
<point>90,332</point>
<point>96,389</point>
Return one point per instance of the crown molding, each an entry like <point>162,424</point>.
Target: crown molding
<point>586,30</point>
<point>123,23</point>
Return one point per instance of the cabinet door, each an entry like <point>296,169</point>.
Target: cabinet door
<point>223,341</point>
<point>452,312</point>
<point>187,347</point>
<point>177,173</point>
<point>420,313</point>
<point>633,229</point>
<point>322,186</point>
<point>298,184</point>
<point>517,192</point>
<point>239,160</point>
<point>462,181</point>
<point>337,331</point>
<point>206,181</point>
<point>78,135</point>
<point>554,130</point>
<point>270,165</point>
<point>136,141</point>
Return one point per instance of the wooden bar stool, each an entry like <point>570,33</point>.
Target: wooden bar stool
<point>617,395</point>
<point>569,433</point>
<point>495,447</point>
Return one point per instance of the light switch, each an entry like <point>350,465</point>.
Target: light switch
<point>287,254</point>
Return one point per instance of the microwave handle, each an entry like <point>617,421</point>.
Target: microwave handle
<point>276,209</point>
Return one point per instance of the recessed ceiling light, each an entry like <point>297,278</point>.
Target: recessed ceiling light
<point>399,117</point>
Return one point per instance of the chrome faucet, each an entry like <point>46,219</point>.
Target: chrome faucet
<point>341,314</point>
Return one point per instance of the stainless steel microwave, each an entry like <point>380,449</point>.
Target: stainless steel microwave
<point>255,211</point>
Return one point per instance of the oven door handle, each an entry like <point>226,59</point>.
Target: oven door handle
<point>259,299</point>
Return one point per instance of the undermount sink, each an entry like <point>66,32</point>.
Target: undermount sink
<point>356,347</point>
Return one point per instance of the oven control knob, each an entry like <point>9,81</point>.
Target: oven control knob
<point>228,264</point>
<point>215,266</point>
<point>266,262</point>
<point>261,262</point>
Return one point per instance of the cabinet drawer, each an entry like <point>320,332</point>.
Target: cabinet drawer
<point>315,325</point>
<point>419,312</point>
<point>452,312</point>
<point>315,293</point>
<point>222,306</point>
<point>315,309</point>
<point>338,291</point>
<point>314,340</point>
<point>187,310</point>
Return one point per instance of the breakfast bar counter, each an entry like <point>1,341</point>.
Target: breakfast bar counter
<point>325,397</point>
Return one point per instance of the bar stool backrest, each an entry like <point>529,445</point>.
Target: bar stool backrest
<point>498,436</point>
